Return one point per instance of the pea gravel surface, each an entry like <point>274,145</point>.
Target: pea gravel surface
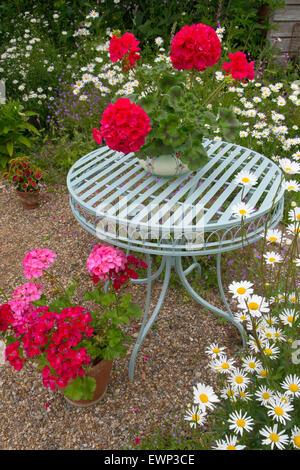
<point>170,361</point>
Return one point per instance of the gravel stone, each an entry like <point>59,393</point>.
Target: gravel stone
<point>170,361</point>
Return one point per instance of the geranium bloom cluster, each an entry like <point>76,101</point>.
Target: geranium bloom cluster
<point>195,47</point>
<point>124,126</point>
<point>124,48</point>
<point>239,68</point>
<point>106,262</point>
<point>36,261</point>
<point>55,337</point>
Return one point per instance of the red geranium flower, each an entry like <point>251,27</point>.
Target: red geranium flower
<point>97,136</point>
<point>239,66</point>
<point>124,126</point>
<point>124,48</point>
<point>195,47</point>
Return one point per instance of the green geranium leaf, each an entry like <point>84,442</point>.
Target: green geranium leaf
<point>41,302</point>
<point>228,123</point>
<point>81,388</point>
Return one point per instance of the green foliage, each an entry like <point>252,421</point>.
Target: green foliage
<point>81,388</point>
<point>16,133</point>
<point>177,106</point>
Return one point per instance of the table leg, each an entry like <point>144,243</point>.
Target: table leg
<point>146,325</point>
<point>227,315</point>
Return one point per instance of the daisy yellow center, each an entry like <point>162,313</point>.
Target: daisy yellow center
<point>266,395</point>
<point>272,260</point>
<point>294,388</point>
<point>230,447</point>
<point>252,365</point>
<point>225,365</point>
<point>293,299</point>
<point>298,217</point>
<point>288,169</point>
<point>196,417</point>
<point>243,317</point>
<point>273,239</point>
<point>230,393</point>
<point>263,373</point>
<point>243,394</point>
<point>239,380</point>
<point>216,350</point>
<point>268,351</point>
<point>253,306</point>
<point>203,397</point>
<point>274,437</point>
<point>297,441</point>
<point>268,335</point>
<point>245,179</point>
<point>242,211</point>
<point>291,187</point>
<point>241,290</point>
<point>290,319</point>
<point>241,423</point>
<point>278,410</point>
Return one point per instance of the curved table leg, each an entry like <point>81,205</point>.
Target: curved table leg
<point>221,285</point>
<point>146,325</point>
<point>188,287</point>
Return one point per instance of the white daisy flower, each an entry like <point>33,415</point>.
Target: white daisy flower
<point>294,214</point>
<point>255,304</point>
<point>271,351</point>
<point>204,396</point>
<point>290,167</point>
<point>228,443</point>
<point>271,257</point>
<point>240,422</point>
<point>246,178</point>
<point>293,298</point>
<point>228,393</point>
<point>240,289</point>
<point>238,379</point>
<point>295,437</point>
<point>222,364</point>
<point>214,349</point>
<point>251,364</point>
<point>292,385</point>
<point>264,394</point>
<point>294,229</point>
<point>273,437</point>
<point>50,69</point>
<point>196,416</point>
<point>274,236</point>
<point>292,185</point>
<point>279,410</point>
<point>242,210</point>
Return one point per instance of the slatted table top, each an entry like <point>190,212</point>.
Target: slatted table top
<point>112,197</point>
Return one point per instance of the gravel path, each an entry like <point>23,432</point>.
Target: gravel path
<point>171,359</point>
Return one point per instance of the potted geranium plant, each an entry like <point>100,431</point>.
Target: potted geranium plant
<point>27,178</point>
<point>73,347</point>
<point>169,117</point>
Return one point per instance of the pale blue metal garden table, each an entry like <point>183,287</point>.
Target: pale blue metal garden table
<point>189,215</point>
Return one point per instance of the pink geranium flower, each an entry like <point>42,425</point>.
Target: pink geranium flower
<point>36,261</point>
<point>105,260</point>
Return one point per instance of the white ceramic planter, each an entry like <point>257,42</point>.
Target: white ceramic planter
<point>164,165</point>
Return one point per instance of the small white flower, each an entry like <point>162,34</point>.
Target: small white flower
<point>204,396</point>
<point>292,385</point>
<point>240,422</point>
<point>196,416</point>
<point>228,443</point>
<point>279,410</point>
<point>241,289</point>
<point>246,178</point>
<point>271,257</point>
<point>242,210</point>
<point>295,437</point>
<point>290,167</point>
<point>273,437</point>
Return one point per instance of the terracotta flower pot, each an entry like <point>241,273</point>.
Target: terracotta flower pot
<point>100,372</point>
<point>29,200</point>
